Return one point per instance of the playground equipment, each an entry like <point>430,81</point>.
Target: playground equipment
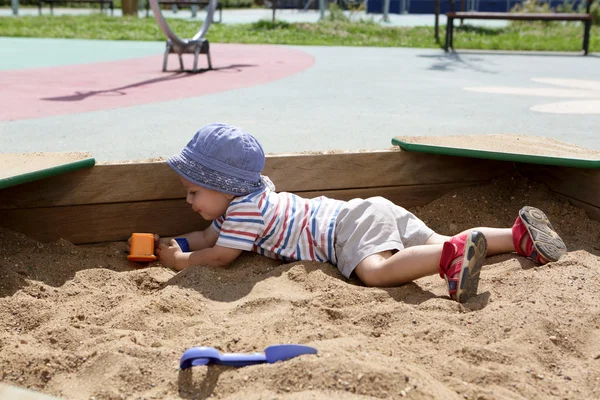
<point>196,45</point>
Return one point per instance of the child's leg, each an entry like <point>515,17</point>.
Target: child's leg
<point>532,236</point>
<point>458,260</point>
<point>406,265</point>
<point>499,240</point>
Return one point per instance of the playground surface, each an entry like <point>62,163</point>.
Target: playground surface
<point>111,99</point>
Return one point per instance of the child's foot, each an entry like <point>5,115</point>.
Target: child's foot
<point>535,238</point>
<point>460,264</point>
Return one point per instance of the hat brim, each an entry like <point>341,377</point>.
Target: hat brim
<point>203,176</point>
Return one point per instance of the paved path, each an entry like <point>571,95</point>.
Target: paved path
<point>350,98</point>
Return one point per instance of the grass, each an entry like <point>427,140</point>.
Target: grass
<point>518,36</point>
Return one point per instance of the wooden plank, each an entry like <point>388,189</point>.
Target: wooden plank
<point>101,184</point>
<point>115,183</point>
<point>580,184</point>
<point>116,221</point>
<point>405,196</point>
<point>102,222</point>
<point>375,169</point>
<point>592,211</point>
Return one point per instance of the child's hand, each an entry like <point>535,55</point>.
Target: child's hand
<point>170,255</point>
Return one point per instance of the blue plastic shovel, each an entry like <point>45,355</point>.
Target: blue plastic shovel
<point>209,355</point>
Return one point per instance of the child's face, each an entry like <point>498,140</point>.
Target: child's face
<point>209,203</point>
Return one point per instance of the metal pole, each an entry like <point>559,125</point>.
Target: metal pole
<point>322,9</point>
<point>436,29</point>
<point>15,6</point>
<point>386,10</point>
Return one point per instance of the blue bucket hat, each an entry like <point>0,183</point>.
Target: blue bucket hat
<point>221,157</point>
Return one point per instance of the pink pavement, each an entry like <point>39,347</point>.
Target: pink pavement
<point>44,92</point>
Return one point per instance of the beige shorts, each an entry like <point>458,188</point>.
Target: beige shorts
<point>369,226</point>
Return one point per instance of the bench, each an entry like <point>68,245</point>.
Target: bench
<point>51,2</point>
<point>586,18</point>
<point>187,3</point>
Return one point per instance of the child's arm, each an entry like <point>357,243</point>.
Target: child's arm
<point>217,256</point>
<point>197,240</point>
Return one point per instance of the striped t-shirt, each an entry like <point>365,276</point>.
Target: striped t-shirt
<point>280,225</point>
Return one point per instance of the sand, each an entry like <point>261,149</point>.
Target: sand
<point>81,322</point>
<point>508,144</point>
<point>16,164</point>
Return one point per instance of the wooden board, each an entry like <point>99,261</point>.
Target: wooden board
<point>116,183</point>
<point>116,221</point>
<point>109,202</point>
<point>16,169</point>
<point>102,222</point>
<point>580,186</point>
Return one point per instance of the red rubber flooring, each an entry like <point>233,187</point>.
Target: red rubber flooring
<point>45,92</point>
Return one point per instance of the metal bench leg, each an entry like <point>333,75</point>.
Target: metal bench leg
<point>208,59</point>
<point>166,57</point>
<point>448,30</point>
<point>586,36</point>
<point>452,34</point>
<point>196,52</point>
<point>180,62</point>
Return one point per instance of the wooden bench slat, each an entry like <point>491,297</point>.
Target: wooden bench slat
<point>109,3</point>
<point>520,17</point>
<point>185,2</point>
<point>586,18</point>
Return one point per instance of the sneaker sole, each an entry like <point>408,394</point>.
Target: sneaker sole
<point>475,252</point>
<point>545,239</point>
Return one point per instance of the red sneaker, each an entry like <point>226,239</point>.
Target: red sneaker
<point>541,240</point>
<point>460,264</point>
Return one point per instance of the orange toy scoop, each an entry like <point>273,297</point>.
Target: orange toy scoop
<point>142,248</point>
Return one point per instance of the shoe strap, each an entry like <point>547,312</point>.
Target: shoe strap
<point>450,252</point>
<point>518,231</point>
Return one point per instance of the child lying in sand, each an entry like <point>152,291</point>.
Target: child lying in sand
<point>382,243</point>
